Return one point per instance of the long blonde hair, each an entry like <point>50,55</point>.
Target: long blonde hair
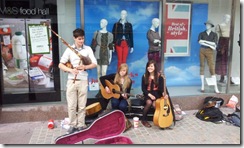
<point>127,80</point>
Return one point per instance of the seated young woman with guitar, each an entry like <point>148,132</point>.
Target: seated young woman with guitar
<point>152,87</point>
<point>120,78</point>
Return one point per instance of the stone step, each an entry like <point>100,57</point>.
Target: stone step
<point>58,110</point>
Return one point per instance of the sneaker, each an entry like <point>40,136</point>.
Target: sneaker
<point>81,128</point>
<point>71,130</point>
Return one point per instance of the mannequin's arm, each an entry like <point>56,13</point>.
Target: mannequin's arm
<point>110,56</point>
<point>156,41</point>
<point>210,44</point>
<point>131,49</point>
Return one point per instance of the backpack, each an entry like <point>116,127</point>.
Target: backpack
<point>213,101</point>
<point>211,114</point>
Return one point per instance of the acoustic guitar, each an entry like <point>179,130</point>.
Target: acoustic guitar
<point>115,91</point>
<point>163,116</point>
<point>93,108</point>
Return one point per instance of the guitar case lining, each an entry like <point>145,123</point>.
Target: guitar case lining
<point>106,129</point>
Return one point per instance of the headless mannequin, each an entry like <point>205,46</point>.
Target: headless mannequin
<point>102,69</point>
<point>212,45</point>
<point>223,32</point>
<point>226,25</point>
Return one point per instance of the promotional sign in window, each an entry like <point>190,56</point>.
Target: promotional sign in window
<point>39,39</point>
<point>177,29</point>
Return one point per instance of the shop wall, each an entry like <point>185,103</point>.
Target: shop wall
<point>66,25</point>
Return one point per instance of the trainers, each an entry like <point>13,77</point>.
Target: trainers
<point>71,130</point>
<point>81,128</point>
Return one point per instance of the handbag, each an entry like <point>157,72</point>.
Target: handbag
<point>94,43</point>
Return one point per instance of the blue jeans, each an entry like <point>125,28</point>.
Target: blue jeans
<point>120,104</point>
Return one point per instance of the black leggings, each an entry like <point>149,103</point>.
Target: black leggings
<point>147,106</point>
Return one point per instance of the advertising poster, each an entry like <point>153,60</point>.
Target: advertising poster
<point>26,66</point>
<point>177,29</point>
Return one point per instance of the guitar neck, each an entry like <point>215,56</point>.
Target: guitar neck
<point>165,93</point>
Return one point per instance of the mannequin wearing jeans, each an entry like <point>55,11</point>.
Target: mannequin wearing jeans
<point>208,40</point>
<point>123,38</point>
<point>154,41</point>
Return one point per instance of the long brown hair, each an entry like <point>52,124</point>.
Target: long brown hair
<point>127,80</point>
<point>147,74</point>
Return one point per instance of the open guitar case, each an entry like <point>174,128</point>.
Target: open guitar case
<point>106,129</point>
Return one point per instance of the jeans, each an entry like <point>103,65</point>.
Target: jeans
<point>122,52</point>
<point>120,104</point>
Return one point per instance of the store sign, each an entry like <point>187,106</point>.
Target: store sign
<point>23,11</point>
<point>177,29</point>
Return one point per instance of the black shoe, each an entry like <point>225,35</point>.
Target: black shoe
<point>71,130</point>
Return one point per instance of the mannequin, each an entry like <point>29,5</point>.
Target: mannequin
<point>104,48</point>
<point>208,41</point>
<point>103,52</point>
<point>123,38</point>
<point>223,32</point>
<point>154,41</point>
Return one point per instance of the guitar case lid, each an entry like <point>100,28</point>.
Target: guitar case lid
<point>108,125</point>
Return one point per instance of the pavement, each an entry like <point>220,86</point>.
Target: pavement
<point>189,130</point>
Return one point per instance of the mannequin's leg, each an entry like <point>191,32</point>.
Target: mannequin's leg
<point>98,72</point>
<point>222,78</point>
<point>215,84</point>
<point>98,95</point>
<point>202,80</point>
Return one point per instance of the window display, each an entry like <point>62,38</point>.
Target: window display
<point>30,68</point>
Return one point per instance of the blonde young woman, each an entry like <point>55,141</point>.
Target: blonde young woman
<point>121,77</point>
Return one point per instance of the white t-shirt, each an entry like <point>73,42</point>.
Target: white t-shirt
<point>71,56</point>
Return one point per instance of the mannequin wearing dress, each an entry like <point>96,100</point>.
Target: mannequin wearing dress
<point>103,52</point>
<point>223,31</point>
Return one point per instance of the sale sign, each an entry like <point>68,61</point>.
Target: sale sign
<point>177,29</point>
